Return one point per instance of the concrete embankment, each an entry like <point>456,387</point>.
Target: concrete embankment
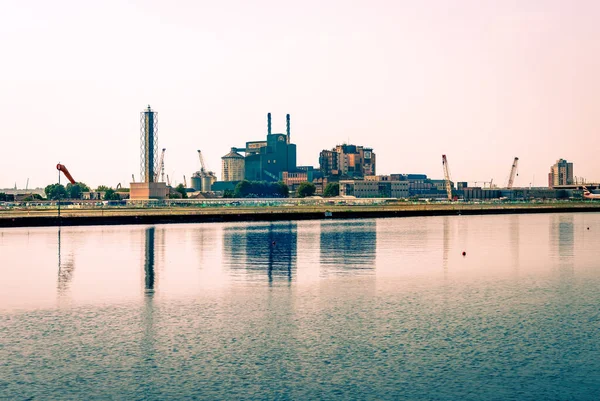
<point>113,216</point>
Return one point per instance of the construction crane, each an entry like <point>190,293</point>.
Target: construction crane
<point>161,167</point>
<point>132,178</point>
<point>447,177</point>
<point>513,172</point>
<point>204,170</point>
<point>202,167</point>
<point>64,170</point>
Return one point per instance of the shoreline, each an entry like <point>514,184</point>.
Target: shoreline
<point>127,216</point>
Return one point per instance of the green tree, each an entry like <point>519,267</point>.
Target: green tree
<point>110,194</point>
<point>228,193</point>
<point>55,191</point>
<point>281,189</point>
<point>306,189</point>
<point>242,189</point>
<point>102,188</point>
<point>3,197</point>
<point>332,189</point>
<point>76,190</point>
<point>181,189</point>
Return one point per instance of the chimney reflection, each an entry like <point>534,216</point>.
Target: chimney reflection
<point>274,246</point>
<point>258,249</point>
<point>149,260</point>
<point>348,247</point>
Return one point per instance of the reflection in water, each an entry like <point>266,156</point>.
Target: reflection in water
<point>446,245</point>
<point>513,228</point>
<point>348,246</point>
<point>149,259</point>
<point>562,239</point>
<point>262,248</point>
<point>65,269</point>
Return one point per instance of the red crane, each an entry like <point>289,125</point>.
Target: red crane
<point>64,170</point>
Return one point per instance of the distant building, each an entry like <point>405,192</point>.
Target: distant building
<point>329,163</point>
<point>374,188</point>
<point>232,166</point>
<point>561,173</point>
<point>347,161</point>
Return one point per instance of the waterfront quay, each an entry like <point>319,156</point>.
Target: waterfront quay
<point>263,210</point>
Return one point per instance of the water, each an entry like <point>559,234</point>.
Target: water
<point>360,309</point>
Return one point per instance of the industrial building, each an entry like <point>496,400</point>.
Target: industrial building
<point>347,161</point>
<point>561,173</point>
<point>232,166</point>
<point>374,188</point>
<point>267,160</point>
<point>148,188</point>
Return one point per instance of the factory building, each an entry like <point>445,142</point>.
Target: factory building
<point>374,188</point>
<point>561,173</point>
<point>267,160</point>
<point>232,166</point>
<point>347,161</point>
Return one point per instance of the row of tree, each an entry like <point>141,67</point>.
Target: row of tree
<point>244,189</point>
<point>75,191</point>
<point>262,189</point>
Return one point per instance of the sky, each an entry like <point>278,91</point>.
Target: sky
<point>481,81</point>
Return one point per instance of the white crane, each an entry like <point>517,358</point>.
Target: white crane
<point>447,177</point>
<point>513,172</point>
<point>204,170</point>
<point>161,167</point>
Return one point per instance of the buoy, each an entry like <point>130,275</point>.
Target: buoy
<point>464,253</point>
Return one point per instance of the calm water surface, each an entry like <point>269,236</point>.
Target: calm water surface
<point>357,309</point>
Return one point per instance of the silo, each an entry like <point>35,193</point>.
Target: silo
<point>196,181</point>
<point>232,166</point>
<point>206,183</point>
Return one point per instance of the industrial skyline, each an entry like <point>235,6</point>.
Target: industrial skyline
<point>478,81</point>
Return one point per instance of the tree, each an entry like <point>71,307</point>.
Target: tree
<point>332,189</point>
<point>228,193</point>
<point>55,191</point>
<point>306,189</point>
<point>110,194</point>
<point>181,189</point>
<point>3,197</point>
<point>76,190</point>
<point>281,189</point>
<point>242,189</point>
<point>102,188</point>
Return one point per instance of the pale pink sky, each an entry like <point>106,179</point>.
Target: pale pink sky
<point>481,81</point>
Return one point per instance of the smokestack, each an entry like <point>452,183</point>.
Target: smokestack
<point>269,123</point>
<point>287,127</point>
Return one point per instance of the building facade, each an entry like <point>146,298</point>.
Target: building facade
<point>374,188</point>
<point>561,173</point>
